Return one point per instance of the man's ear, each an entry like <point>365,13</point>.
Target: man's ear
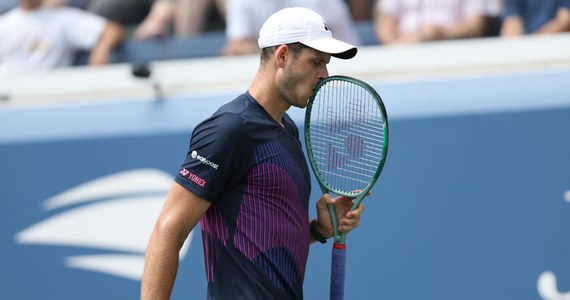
<point>281,55</point>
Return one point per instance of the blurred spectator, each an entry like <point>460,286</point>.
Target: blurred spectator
<point>535,17</point>
<point>73,3</point>
<point>155,22</point>
<point>412,21</point>
<point>186,17</point>
<point>194,16</point>
<point>38,37</point>
<point>361,10</point>
<point>124,12</point>
<point>158,18</point>
<point>245,17</point>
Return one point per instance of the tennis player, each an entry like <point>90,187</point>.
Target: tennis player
<point>245,178</point>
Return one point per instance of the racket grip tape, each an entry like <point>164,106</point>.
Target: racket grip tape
<point>338,267</point>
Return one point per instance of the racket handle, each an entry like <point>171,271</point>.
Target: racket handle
<point>338,268</point>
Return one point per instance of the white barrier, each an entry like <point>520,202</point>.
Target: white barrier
<point>230,74</point>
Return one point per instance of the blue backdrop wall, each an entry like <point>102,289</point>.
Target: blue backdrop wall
<point>473,203</point>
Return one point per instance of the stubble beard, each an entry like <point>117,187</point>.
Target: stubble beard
<point>290,88</point>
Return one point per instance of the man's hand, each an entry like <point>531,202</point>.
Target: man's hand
<point>347,219</point>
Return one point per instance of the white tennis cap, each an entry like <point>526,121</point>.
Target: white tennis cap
<point>298,24</point>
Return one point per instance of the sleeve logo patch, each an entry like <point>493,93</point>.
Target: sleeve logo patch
<point>193,177</point>
<point>204,160</point>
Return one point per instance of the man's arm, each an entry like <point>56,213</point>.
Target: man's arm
<point>240,47</point>
<point>111,36</point>
<point>560,23</point>
<point>512,26</point>
<point>156,23</point>
<point>472,26</point>
<point>180,214</point>
<point>387,28</point>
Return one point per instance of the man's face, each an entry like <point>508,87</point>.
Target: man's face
<point>301,74</point>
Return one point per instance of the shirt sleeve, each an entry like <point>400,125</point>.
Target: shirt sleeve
<point>564,4</point>
<point>239,20</point>
<point>512,8</point>
<point>86,29</point>
<point>391,7</point>
<point>216,156</point>
<point>483,8</point>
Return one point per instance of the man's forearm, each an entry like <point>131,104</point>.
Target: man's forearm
<point>161,266</point>
<point>560,23</point>
<point>512,26</point>
<point>111,36</point>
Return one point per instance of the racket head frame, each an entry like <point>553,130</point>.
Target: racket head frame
<point>358,196</point>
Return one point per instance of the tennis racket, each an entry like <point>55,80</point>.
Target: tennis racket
<point>346,136</point>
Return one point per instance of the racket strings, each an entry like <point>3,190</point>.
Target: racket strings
<point>346,135</point>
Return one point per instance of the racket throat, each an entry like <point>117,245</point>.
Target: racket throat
<point>336,234</point>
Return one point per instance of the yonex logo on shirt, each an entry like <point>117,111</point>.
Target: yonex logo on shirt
<point>205,161</point>
<point>195,178</point>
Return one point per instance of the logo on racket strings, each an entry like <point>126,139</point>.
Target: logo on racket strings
<point>353,146</point>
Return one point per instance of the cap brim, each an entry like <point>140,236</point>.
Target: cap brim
<point>332,46</point>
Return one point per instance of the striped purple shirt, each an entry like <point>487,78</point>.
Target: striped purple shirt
<point>253,170</point>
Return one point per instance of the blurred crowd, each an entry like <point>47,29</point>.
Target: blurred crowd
<point>46,34</point>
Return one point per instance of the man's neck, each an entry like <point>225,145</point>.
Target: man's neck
<point>265,94</point>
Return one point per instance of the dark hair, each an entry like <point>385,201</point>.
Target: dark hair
<point>296,48</point>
